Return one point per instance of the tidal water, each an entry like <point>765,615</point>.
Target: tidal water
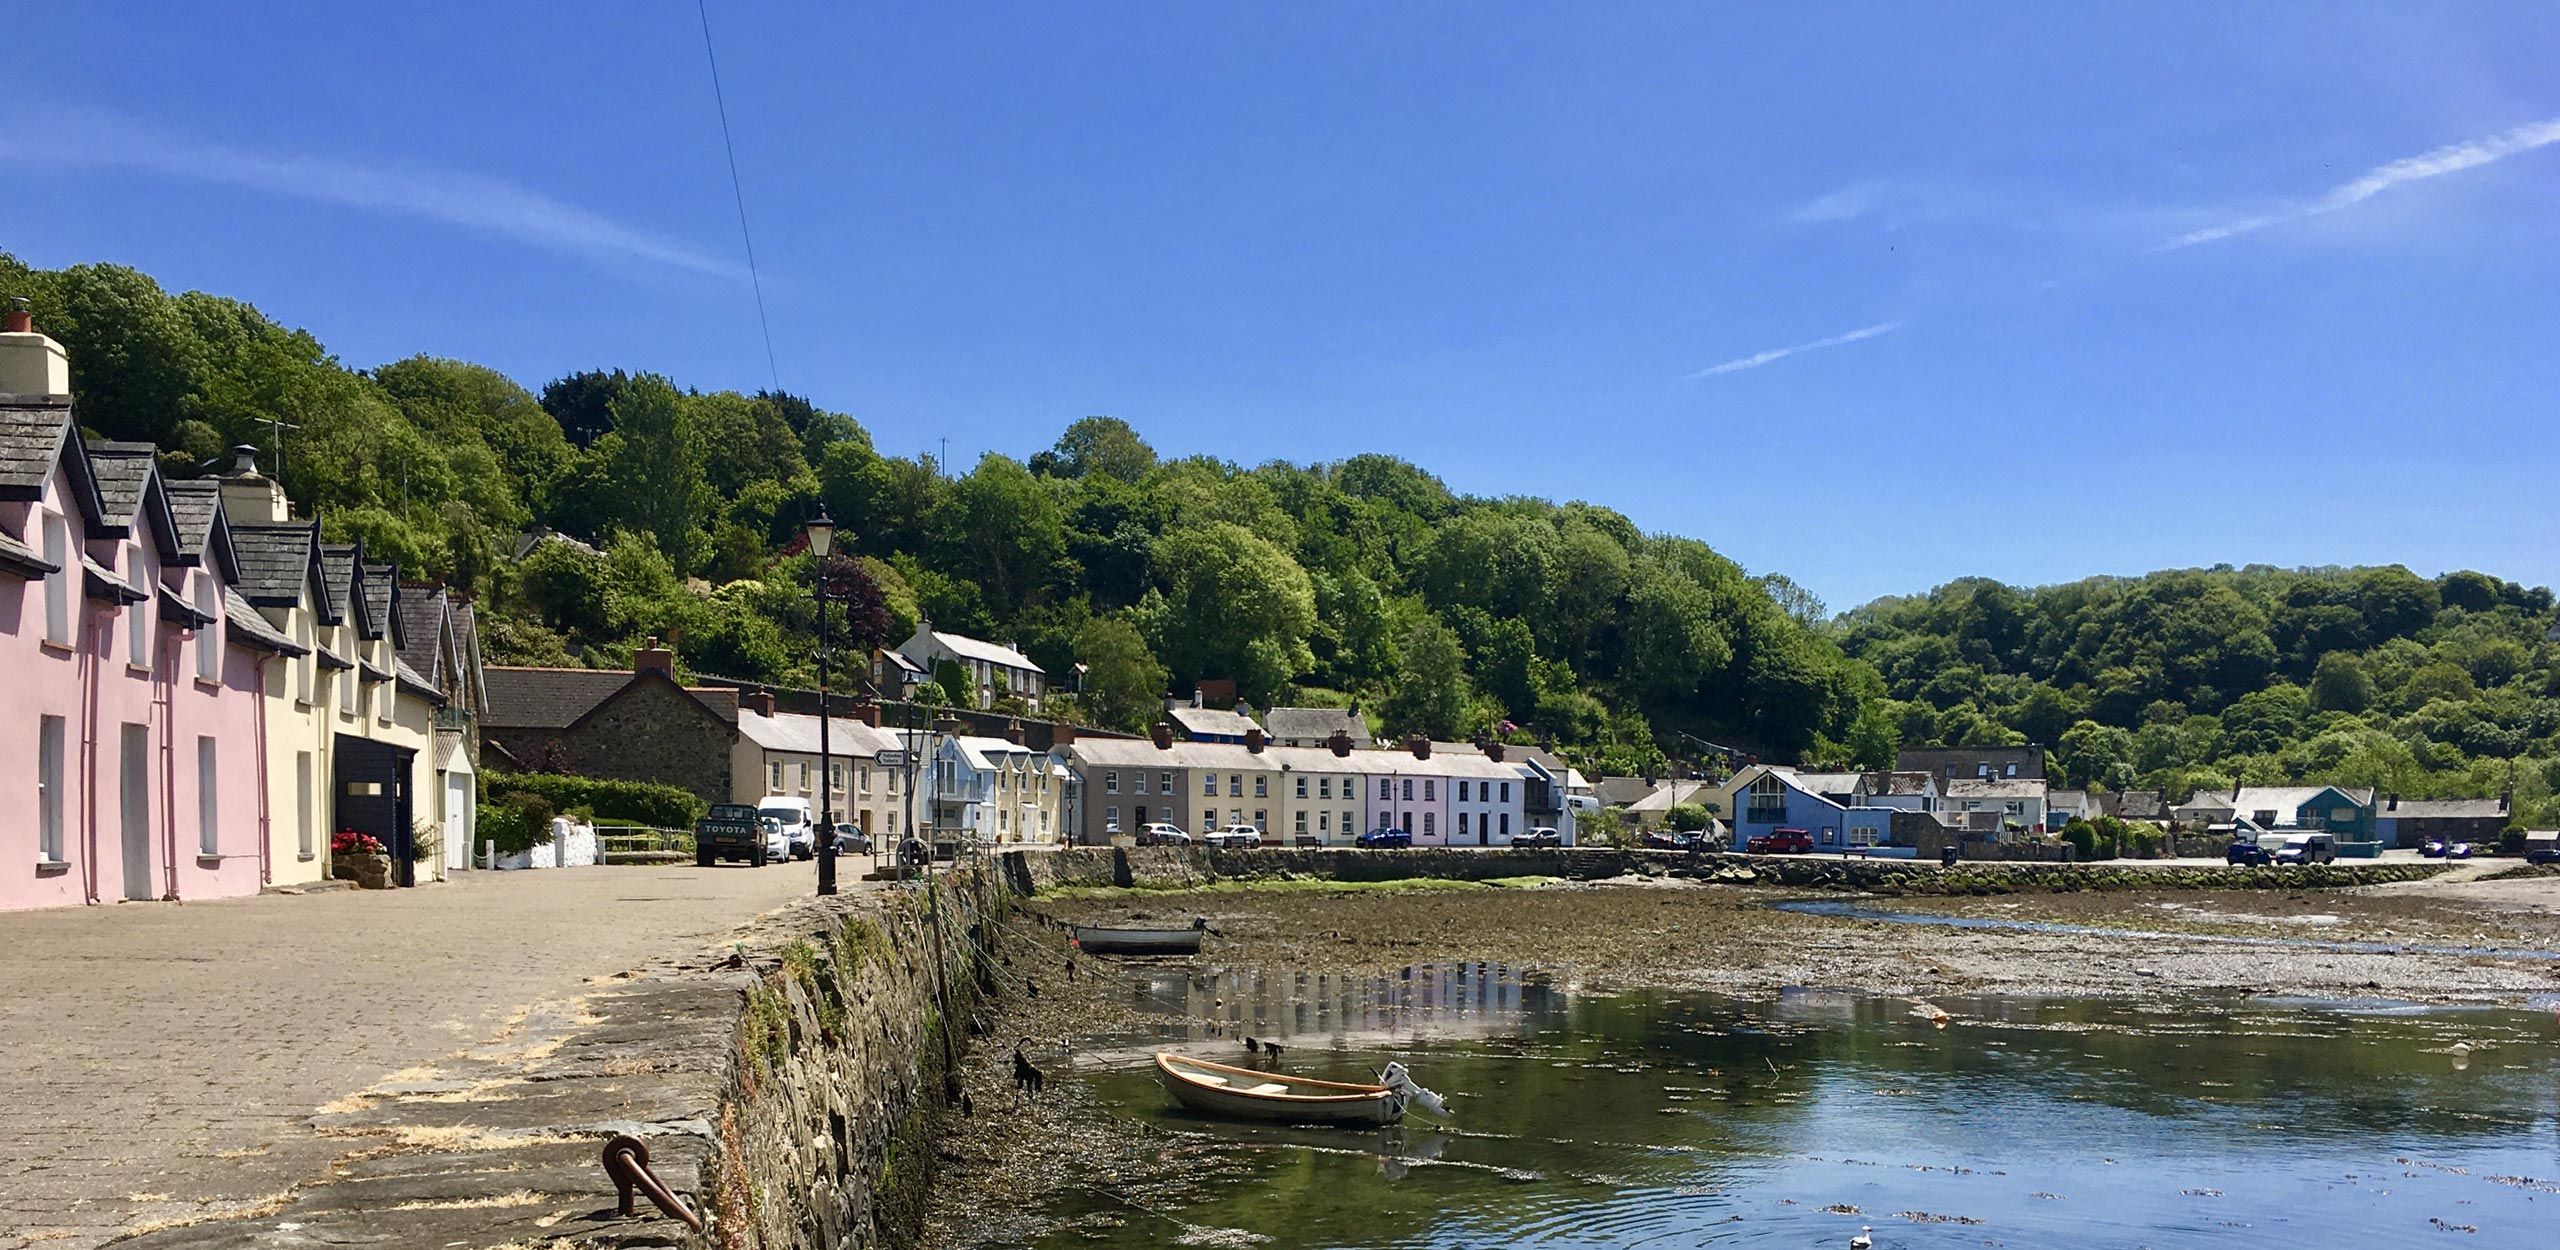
<point>1590,1118</point>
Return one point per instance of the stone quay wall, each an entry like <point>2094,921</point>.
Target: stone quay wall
<point>787,1081</point>
<point>1170,868</point>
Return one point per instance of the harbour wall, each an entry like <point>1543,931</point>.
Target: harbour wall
<point>1171,868</point>
<point>788,1083</point>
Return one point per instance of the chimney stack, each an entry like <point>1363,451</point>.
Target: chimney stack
<point>947,725</point>
<point>867,713</point>
<point>1061,734</point>
<point>1162,733</point>
<point>653,658</point>
<point>1493,751</point>
<point>1339,743</point>
<point>2393,805</point>
<point>30,363</point>
<point>760,702</point>
<point>1419,745</point>
<point>1013,731</point>
<point>251,496</point>
<point>1253,740</point>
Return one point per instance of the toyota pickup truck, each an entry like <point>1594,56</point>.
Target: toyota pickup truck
<point>737,831</point>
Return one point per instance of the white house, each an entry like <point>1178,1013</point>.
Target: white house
<point>2010,803</point>
<point>986,664</point>
<point>997,789</point>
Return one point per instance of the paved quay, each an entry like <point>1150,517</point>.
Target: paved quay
<point>165,1059</point>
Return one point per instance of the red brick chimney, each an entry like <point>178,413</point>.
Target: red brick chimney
<point>1253,739</point>
<point>1162,732</point>
<point>759,702</point>
<point>1419,745</point>
<point>17,320</point>
<point>1493,751</point>
<point>653,658</point>
<point>1061,734</point>
<point>867,713</point>
<point>1340,742</point>
<point>1013,731</point>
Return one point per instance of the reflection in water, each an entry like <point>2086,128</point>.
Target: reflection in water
<point>1690,1119</point>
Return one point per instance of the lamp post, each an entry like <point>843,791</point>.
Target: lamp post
<point>822,539</point>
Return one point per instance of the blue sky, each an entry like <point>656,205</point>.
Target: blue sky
<point>1871,295</point>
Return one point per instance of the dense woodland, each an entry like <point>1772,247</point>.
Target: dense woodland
<point>1364,579</point>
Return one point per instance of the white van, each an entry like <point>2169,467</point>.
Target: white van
<point>799,828</point>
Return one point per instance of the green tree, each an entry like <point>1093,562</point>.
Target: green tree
<point>1430,694</point>
<point>1103,446</point>
<point>1124,686</point>
<point>2340,685</point>
<point>1232,604</point>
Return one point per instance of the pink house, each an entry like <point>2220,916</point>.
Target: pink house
<point>131,721</point>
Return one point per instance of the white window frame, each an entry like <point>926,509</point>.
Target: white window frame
<point>306,832</point>
<point>208,637</point>
<point>137,635</point>
<point>208,801</point>
<point>57,584</point>
<point>53,735</point>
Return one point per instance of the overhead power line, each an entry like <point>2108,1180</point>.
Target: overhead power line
<point>718,98</point>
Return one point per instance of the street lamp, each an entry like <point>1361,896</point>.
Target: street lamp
<point>822,539</point>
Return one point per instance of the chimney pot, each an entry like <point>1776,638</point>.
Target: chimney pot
<point>1253,740</point>
<point>1013,731</point>
<point>761,702</point>
<point>1162,733</point>
<point>1493,751</point>
<point>653,658</point>
<point>244,459</point>
<point>17,320</point>
<point>1061,734</point>
<point>1340,742</point>
<point>30,363</point>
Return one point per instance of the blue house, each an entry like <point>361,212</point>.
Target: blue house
<point>1767,800</point>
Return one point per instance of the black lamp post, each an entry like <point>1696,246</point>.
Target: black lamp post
<point>822,539</point>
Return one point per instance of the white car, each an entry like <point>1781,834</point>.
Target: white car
<point>1162,835</point>
<point>1239,837</point>
<point>777,844</point>
<point>799,827</point>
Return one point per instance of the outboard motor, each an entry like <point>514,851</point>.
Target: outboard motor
<point>1397,1079</point>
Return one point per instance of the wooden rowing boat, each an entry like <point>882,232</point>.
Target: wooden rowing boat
<point>1102,941</point>
<point>1243,1093</point>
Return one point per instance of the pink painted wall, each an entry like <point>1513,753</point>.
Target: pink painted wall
<point>92,686</point>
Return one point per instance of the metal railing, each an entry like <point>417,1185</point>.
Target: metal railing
<point>612,840</point>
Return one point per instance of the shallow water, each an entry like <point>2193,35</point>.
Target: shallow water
<point>1584,1118</point>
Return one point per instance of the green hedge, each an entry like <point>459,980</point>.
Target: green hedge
<point>613,802</point>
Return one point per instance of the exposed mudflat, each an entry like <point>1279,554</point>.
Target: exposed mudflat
<point>1682,935</point>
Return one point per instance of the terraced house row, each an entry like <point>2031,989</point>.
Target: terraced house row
<point>199,691</point>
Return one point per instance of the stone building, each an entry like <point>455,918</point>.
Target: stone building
<point>635,726</point>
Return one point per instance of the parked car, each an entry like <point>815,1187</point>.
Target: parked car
<point>1543,835</point>
<point>2457,850</point>
<point>799,828</point>
<point>851,840</point>
<point>2543,855</point>
<point>1236,837</point>
<point>1670,840</point>
<point>2432,849</point>
<point>1782,842</point>
<point>2247,851</point>
<point>1386,838</point>
<point>736,831</point>
<point>2318,848</point>
<point>1162,835</point>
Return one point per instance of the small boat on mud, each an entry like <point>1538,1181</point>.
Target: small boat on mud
<point>1096,940</point>
<point>1245,1094</point>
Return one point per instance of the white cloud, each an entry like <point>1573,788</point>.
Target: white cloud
<point>1758,359</point>
<point>471,201</point>
<point>2453,158</point>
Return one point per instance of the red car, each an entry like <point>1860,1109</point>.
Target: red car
<point>1782,842</point>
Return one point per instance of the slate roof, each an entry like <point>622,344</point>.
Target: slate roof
<point>466,650</point>
<point>1828,784</point>
<point>415,681</point>
<point>793,732</point>
<point>33,430</point>
<point>1205,722</point>
<point>1621,791</point>
<point>555,698</point>
<point>422,622</point>
<point>2133,804</point>
<point>178,611</point>
<point>1671,795</point>
<point>337,576</point>
<point>2001,788</point>
<point>1969,761</point>
<point>251,630</point>
<point>2286,801</point>
<point>2446,809</point>
<point>1316,724</point>
<point>380,590</point>
<point>18,558</point>
<point>104,584</point>
<point>194,505</point>
<point>123,469</point>
<point>1899,782</point>
<point>274,559</point>
<point>969,648</point>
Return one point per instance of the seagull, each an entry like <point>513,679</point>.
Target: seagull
<point>1865,1240</point>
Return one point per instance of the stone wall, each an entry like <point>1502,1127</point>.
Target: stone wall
<point>787,1082</point>
<point>1180,867</point>
<point>654,731</point>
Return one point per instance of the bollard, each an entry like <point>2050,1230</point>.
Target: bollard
<point>626,1160</point>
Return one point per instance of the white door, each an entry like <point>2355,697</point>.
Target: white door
<point>137,812</point>
<point>457,821</point>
